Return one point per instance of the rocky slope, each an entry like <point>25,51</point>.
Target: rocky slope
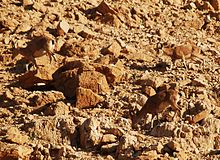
<point>109,58</point>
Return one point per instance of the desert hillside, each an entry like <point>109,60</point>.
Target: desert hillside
<point>117,79</point>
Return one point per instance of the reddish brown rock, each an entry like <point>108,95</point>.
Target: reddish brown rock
<point>113,73</point>
<point>104,8</point>
<point>86,98</point>
<point>59,108</point>
<point>113,49</point>
<point>200,116</point>
<point>13,151</point>
<point>95,81</point>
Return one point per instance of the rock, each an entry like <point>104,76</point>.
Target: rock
<point>173,2</point>
<point>165,129</point>
<point>86,98</point>
<point>104,8</point>
<point>217,142</point>
<point>152,81</point>
<point>59,108</point>
<point>87,33</point>
<point>109,148</point>
<point>42,75</point>
<point>148,155</point>
<point>13,151</point>
<point>95,81</point>
<point>62,28</point>
<point>14,135</point>
<point>52,129</point>
<point>73,48</point>
<point>8,96</point>
<point>90,134</point>
<point>41,100</point>
<point>113,49</point>
<point>174,146</point>
<point>108,138</point>
<point>68,73</point>
<point>27,3</point>
<point>148,90</point>
<point>23,27</point>
<point>113,73</point>
<point>115,131</point>
<point>200,116</point>
<point>215,4</point>
<point>200,82</point>
<point>126,146</point>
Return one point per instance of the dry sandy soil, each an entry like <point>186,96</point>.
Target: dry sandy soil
<point>110,57</point>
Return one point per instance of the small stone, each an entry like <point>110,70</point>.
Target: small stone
<point>148,90</point>
<point>113,73</point>
<point>63,28</point>
<point>90,133</point>
<point>104,8</point>
<point>148,155</point>
<point>86,98</point>
<point>27,3</point>
<point>109,138</point>
<point>200,82</point>
<point>87,33</point>
<point>165,129</point>
<point>7,151</point>
<point>200,116</point>
<point>174,146</point>
<point>152,81</point>
<point>113,49</point>
<point>126,146</point>
<point>59,108</point>
<point>7,95</point>
<point>23,27</point>
<point>109,148</point>
<point>14,135</point>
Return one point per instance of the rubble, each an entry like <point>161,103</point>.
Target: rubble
<point>74,74</point>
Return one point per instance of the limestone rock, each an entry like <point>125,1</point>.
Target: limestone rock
<point>165,129</point>
<point>148,155</point>
<point>13,151</point>
<point>109,148</point>
<point>109,138</point>
<point>63,28</point>
<point>86,98</point>
<point>148,90</point>
<point>113,49</point>
<point>59,108</point>
<point>90,135</point>
<point>14,135</point>
<point>126,146</point>
<point>200,116</point>
<point>52,129</point>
